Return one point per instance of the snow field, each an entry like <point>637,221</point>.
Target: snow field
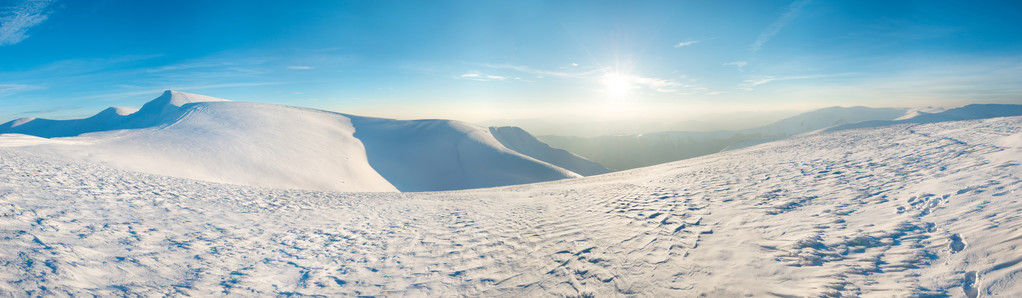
<point>908,210</point>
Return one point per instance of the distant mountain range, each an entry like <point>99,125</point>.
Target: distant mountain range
<point>624,152</point>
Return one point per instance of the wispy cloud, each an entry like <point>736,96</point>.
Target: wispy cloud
<point>155,91</point>
<point>750,83</point>
<point>13,88</point>
<point>189,66</point>
<point>657,84</point>
<point>569,66</point>
<point>597,75</point>
<point>541,73</point>
<point>986,80</point>
<point>790,14</point>
<point>15,21</point>
<point>299,67</point>
<point>212,69</point>
<point>687,43</point>
<point>739,64</point>
<point>482,77</point>
<point>60,108</point>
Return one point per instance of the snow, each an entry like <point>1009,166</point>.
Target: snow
<point>200,137</point>
<point>913,112</point>
<point>519,140</point>
<point>969,112</point>
<point>431,155</point>
<point>913,209</point>
<point>159,111</point>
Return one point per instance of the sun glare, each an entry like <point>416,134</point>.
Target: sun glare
<point>617,84</point>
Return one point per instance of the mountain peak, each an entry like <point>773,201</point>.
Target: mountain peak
<point>113,112</point>
<point>176,99</point>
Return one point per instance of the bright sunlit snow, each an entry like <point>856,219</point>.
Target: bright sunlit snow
<point>904,210</point>
<point>199,137</point>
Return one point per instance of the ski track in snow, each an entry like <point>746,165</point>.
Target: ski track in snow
<point>908,210</point>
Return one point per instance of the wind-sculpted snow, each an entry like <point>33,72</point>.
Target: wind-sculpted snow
<point>907,210</point>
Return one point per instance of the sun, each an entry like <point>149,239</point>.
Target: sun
<point>617,84</point>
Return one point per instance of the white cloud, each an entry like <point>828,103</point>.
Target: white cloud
<point>739,64</point>
<point>299,67</point>
<point>687,43</point>
<point>540,72</point>
<point>12,87</point>
<point>793,10</point>
<point>15,21</point>
<point>659,85</point>
<point>764,80</point>
<point>569,66</point>
<point>600,75</point>
<point>650,83</point>
<point>157,90</point>
<point>767,79</point>
<point>482,77</point>
<point>16,88</point>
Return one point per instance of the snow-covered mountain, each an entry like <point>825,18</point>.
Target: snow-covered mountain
<point>427,155</point>
<point>519,140</point>
<point>200,137</point>
<point>632,151</point>
<point>969,112</point>
<point>160,111</point>
<point>909,210</point>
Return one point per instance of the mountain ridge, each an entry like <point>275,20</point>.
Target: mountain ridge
<point>195,136</point>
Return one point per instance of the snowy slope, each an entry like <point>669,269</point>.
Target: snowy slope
<point>969,112</point>
<point>234,142</point>
<point>429,155</point>
<point>632,151</point>
<point>200,137</point>
<point>519,140</point>
<point>905,210</point>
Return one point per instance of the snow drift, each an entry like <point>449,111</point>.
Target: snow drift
<point>200,137</point>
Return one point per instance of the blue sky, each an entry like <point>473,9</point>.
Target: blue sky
<point>485,60</point>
